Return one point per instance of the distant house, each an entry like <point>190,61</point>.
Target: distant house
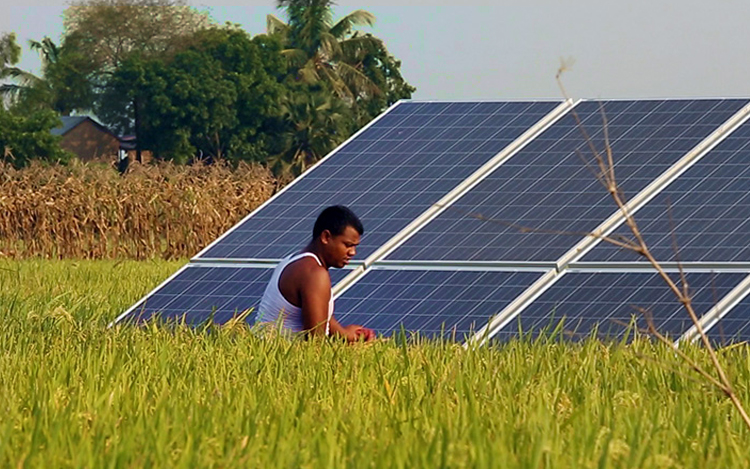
<point>127,147</point>
<point>88,139</point>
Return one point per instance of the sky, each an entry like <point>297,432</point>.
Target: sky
<point>512,49</point>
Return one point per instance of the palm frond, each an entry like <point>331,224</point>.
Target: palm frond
<point>357,80</point>
<point>355,18</point>
<point>26,79</point>
<point>356,48</point>
<point>339,86</point>
<point>295,57</point>
<point>275,26</point>
<point>329,46</point>
<point>47,50</point>
<point>309,73</point>
<point>11,90</point>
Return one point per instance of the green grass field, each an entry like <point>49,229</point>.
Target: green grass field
<point>74,393</point>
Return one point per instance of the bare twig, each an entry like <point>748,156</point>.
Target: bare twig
<point>602,166</point>
<point>683,296</point>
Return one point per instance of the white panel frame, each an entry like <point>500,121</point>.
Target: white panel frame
<point>719,311</point>
<point>670,267</point>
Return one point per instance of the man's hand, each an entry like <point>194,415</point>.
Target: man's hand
<point>366,333</point>
<point>355,333</point>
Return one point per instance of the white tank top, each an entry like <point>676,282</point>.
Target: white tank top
<point>274,310</point>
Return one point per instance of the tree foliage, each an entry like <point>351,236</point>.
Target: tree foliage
<point>10,51</point>
<point>314,121</point>
<point>62,86</point>
<point>361,78</point>
<point>212,99</point>
<point>23,138</point>
<point>185,87</point>
<point>319,50</point>
<point>108,31</point>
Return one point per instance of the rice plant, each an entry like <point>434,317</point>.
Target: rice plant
<point>76,394</point>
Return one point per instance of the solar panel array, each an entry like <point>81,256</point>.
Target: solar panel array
<point>199,292</point>
<point>432,302</point>
<point>614,304</point>
<point>391,173</point>
<point>546,186</point>
<point>471,210</point>
<point>705,212</point>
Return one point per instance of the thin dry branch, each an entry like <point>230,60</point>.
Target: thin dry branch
<point>605,163</point>
<point>682,294</point>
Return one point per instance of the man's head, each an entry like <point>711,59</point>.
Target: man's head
<point>338,230</point>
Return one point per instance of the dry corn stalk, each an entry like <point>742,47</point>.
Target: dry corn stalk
<point>90,211</point>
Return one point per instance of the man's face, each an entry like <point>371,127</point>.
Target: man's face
<point>340,249</point>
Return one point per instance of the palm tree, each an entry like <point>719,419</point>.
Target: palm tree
<point>319,50</point>
<point>315,123</point>
<point>29,85</point>
<point>62,86</point>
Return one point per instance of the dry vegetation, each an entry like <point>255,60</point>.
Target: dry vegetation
<point>90,211</point>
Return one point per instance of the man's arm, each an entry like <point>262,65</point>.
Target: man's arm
<point>315,294</point>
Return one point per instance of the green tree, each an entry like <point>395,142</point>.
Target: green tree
<point>384,70</point>
<point>355,67</point>
<point>314,122</point>
<point>213,99</point>
<point>10,51</point>
<point>10,55</point>
<point>110,33</point>
<point>23,138</point>
<point>62,86</point>
<point>338,80</point>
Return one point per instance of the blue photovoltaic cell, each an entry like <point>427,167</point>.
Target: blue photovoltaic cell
<point>455,302</point>
<point>585,301</point>
<point>199,291</point>
<point>388,175</point>
<point>710,210</point>
<point>547,187</point>
<point>734,326</point>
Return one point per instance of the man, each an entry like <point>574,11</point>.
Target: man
<point>298,296</point>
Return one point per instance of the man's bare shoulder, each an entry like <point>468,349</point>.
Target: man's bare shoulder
<point>304,277</point>
<point>307,269</point>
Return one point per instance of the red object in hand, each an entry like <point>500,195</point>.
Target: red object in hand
<point>365,333</point>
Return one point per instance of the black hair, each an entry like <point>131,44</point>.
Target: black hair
<point>335,219</point>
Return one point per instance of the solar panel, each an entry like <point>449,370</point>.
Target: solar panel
<point>546,186</point>
<point>389,174</point>
<point>734,327</point>
<point>200,292</point>
<point>710,210</point>
<point>432,302</point>
<point>607,301</point>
